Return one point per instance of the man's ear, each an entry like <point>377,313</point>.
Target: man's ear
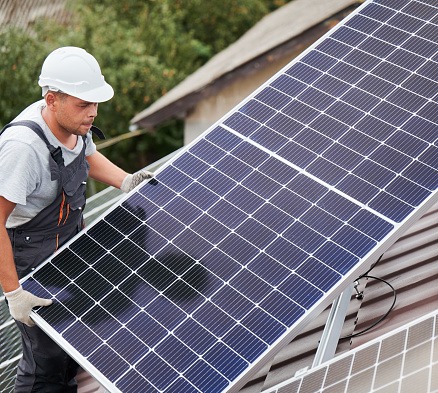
<point>50,100</point>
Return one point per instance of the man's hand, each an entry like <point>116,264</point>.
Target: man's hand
<point>133,180</point>
<point>21,303</point>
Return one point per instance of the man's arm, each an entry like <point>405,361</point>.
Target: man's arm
<point>8,273</point>
<point>104,170</point>
<point>20,302</point>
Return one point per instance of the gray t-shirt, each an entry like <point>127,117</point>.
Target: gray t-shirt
<point>24,166</point>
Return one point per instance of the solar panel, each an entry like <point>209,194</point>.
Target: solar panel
<point>202,274</point>
<point>403,360</point>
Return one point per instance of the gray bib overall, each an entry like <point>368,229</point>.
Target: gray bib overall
<point>45,367</point>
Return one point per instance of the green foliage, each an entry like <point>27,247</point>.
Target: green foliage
<point>21,58</point>
<point>144,47</point>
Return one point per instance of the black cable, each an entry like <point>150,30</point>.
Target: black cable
<point>386,314</point>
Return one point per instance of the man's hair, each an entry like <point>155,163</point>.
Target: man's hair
<point>61,95</point>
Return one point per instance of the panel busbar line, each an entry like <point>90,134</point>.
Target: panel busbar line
<point>198,277</point>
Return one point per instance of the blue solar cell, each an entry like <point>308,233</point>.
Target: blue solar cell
<point>428,70</point>
<point>205,378</point>
<point>165,224</point>
<point>430,156</point>
<point>58,316</point>
<point>359,142</point>
<point>210,229</point>
<point>331,203</point>
<point>376,86</point>
<point>119,305</point>
<point>354,241</point>
<point>300,291</point>
<point>342,156</point>
<point>362,60</point>
<point>223,139</point>
<point>326,171</point>
<point>348,35</point>
<point>357,188</point>
<point>196,337</point>
<point>134,382</point>
<point>336,257</point>
<point>318,274</point>
<point>227,362</point>
<point>206,151</point>
<point>283,309</point>
<point>290,86</point>
<point>332,86</point>
<point>378,12</point>
<point>238,248</point>
<point>390,113</point>
<point>347,73</point>
<point>304,237</point>
<point>278,171</point>
<point>82,338</point>
<point>264,326</point>
<point>406,22</point>
<point>175,353</point>
<point>157,195</point>
<point>391,207</point>
<point>329,126</point>
<point>301,112</point>
<point>392,35</point>
<point>390,158</point>
<point>345,112</point>
<point>190,165</point>
<point>313,140</point>
<point>201,196</point>
<point>321,221</point>
<point>286,253</point>
<point>429,112</point>
<point>274,275</point>
<point>232,302</point>
<point>407,144</point>
<point>250,286</point>
<point>183,210</point>
<point>333,48</point>
<point>174,179</point>
<point>192,244</point>
<point>391,72</point>
<point>423,86</point>
<point>318,60</point>
<point>69,264</point>
<point>374,173</point>
<point>371,225</point>
<point>155,370</point>
<point>242,124</point>
<point>128,346</point>
<point>257,111</point>
<point>304,73</point>
<point>116,367</point>
<point>165,312</point>
<point>262,185</point>
<point>101,322</point>
<point>220,264</point>
<point>404,58</point>
<point>307,188</point>
<point>363,24</point>
<point>377,47</point>
<point>297,154</point>
<point>316,98</point>
<point>421,11</point>
<point>244,199</point>
<point>407,191</point>
<point>285,125</point>
<point>213,319</point>
<point>256,233</point>
<point>269,138</point>
<point>360,99</point>
<point>273,218</point>
<point>245,343</point>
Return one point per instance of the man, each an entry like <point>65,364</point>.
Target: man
<point>46,154</point>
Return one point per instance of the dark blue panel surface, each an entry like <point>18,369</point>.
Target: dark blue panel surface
<point>198,273</point>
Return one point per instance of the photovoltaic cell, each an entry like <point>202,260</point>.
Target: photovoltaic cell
<point>199,275</point>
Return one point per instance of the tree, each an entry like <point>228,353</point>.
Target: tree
<point>144,48</point>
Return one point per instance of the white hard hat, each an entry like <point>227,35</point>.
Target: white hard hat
<point>75,72</point>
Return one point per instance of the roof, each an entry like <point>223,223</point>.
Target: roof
<point>273,30</point>
<point>24,13</point>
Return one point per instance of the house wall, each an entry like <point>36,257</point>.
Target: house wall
<point>214,107</point>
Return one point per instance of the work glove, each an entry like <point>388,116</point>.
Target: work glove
<point>21,302</point>
<point>133,180</point>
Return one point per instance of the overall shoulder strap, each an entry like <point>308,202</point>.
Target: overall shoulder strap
<point>56,153</point>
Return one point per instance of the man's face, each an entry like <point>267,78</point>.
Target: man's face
<point>74,115</point>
